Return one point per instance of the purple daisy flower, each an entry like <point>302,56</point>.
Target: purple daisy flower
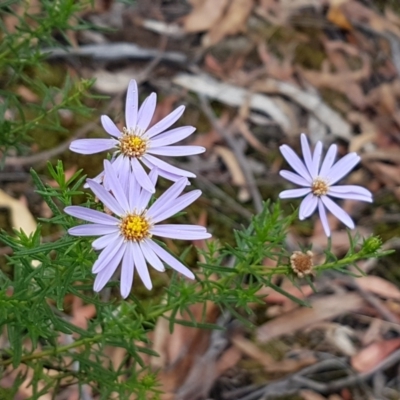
<point>318,182</point>
<point>137,142</point>
<point>126,237</point>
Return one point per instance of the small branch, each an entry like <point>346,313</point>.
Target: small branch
<point>84,130</point>
<point>251,184</point>
<point>115,52</point>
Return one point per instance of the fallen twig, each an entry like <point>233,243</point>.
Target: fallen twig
<point>310,102</point>
<point>234,96</point>
<point>251,184</point>
<point>114,52</point>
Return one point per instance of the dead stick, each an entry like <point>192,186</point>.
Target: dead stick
<point>256,196</point>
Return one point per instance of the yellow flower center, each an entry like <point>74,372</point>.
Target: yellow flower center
<point>135,227</point>
<point>132,144</point>
<point>319,186</point>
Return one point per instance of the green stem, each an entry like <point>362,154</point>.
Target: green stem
<point>36,120</point>
<point>55,351</point>
<point>283,269</point>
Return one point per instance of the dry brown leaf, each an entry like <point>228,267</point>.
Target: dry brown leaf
<point>212,65</point>
<point>179,350</point>
<point>267,361</point>
<point>368,358</point>
<point>374,332</point>
<point>232,22</point>
<point>335,397</point>
<point>21,217</point>
<point>244,129</point>
<point>164,108</point>
<point>273,297</point>
<point>379,286</point>
<point>344,82</point>
<point>29,7</point>
<point>235,171</point>
<point>27,94</point>
<point>321,309</point>
<point>309,101</point>
<point>339,336</point>
<point>112,82</point>
<point>337,17</point>
<point>310,395</point>
<point>389,174</point>
<point>358,13</point>
<point>228,360</point>
<point>252,350</point>
<point>204,15</point>
<point>25,389</point>
<point>237,96</point>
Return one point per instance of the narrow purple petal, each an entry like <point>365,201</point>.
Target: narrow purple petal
<point>162,165</point>
<point>316,159</point>
<point>166,122</point>
<point>324,218</point>
<point>172,136</point>
<point>343,167</point>
<point>144,197</point>
<point>294,178</point>
<point>134,192</point>
<point>118,162</point>
<point>173,231</point>
<point>328,161</point>
<point>118,166</point>
<point>127,270</point>
<point>115,186</point>
<point>92,230</point>
<point>305,147</point>
<point>294,193</point>
<point>98,178</point>
<point>187,227</point>
<point>110,127</point>
<point>352,192</point>
<point>351,196</point>
<point>109,253</point>
<point>141,266</point>
<point>169,195</point>
<point>131,105</point>
<point>92,146</point>
<point>106,273</point>
<point>146,111</point>
<point>151,257</point>
<point>90,215</point>
<point>350,189</point>
<point>294,161</point>
<point>338,212</point>
<point>308,206</point>
<point>105,197</point>
<point>163,173</point>
<point>105,240</point>
<point>170,260</point>
<point>141,176</point>
<point>124,181</point>
<point>176,206</point>
<point>176,151</point>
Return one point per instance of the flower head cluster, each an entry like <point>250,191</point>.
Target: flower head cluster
<point>318,181</point>
<point>137,144</point>
<point>127,236</point>
<point>125,231</point>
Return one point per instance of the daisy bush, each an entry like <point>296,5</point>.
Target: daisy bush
<point>318,177</point>
<point>133,249</point>
<point>138,144</point>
